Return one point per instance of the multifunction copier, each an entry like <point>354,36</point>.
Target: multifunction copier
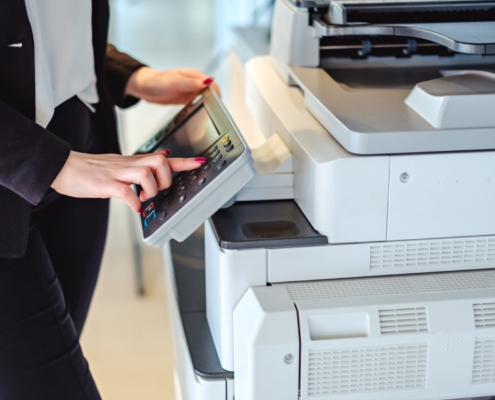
<point>359,264</point>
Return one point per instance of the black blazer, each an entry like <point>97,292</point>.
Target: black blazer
<point>30,156</point>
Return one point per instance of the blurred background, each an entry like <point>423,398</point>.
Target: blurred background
<point>127,339</point>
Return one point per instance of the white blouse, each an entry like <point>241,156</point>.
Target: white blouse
<point>64,60</point>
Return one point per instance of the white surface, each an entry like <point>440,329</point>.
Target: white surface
<point>351,198</point>
<point>462,99</point>
<point>293,41</point>
<point>423,342</point>
<point>274,172</point>
<point>369,115</point>
<point>229,275</point>
<point>267,154</point>
<point>64,59</point>
<point>380,258</point>
<point>272,156</point>
<point>343,196</point>
<point>268,187</point>
<point>447,195</point>
<point>265,332</point>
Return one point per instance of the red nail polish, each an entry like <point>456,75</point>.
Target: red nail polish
<point>200,160</point>
<point>208,81</point>
<point>141,210</point>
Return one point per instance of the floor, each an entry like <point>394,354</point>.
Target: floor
<point>127,339</point>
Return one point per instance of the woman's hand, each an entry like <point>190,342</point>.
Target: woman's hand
<point>109,175</point>
<point>175,86</point>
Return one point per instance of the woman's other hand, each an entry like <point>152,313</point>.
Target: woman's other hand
<point>174,86</point>
<point>110,175</point>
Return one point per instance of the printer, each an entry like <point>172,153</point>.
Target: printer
<point>360,263</point>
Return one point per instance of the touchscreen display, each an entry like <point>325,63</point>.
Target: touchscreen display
<point>193,137</point>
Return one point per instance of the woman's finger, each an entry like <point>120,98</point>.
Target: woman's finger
<point>163,174</point>
<point>160,168</point>
<point>142,176</point>
<point>185,164</point>
<point>126,194</point>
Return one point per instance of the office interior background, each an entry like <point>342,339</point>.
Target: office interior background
<point>127,338</point>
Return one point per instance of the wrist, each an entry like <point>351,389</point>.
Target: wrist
<point>139,82</point>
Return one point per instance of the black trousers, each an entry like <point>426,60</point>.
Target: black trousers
<point>45,295</point>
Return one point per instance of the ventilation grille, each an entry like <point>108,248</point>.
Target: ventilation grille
<point>403,320</point>
<point>444,282</point>
<point>484,315</point>
<point>422,254</point>
<point>484,361</point>
<point>367,369</point>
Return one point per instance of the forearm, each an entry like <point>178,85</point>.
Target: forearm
<point>30,156</point>
<point>118,69</point>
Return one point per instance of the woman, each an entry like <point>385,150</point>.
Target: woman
<point>59,82</point>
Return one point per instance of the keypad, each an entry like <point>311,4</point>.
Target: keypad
<point>187,184</point>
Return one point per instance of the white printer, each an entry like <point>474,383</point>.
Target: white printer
<point>360,262</point>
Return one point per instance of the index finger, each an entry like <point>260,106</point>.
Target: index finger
<point>185,164</point>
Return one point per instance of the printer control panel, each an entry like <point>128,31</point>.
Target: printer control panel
<point>186,185</point>
<point>202,129</point>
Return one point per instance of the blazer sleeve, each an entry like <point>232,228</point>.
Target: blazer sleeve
<point>30,156</point>
<point>118,68</point>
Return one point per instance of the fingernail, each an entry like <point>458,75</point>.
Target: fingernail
<point>207,81</point>
<point>200,160</point>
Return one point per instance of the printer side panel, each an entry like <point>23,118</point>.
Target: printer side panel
<point>229,274</point>
<point>351,199</point>
<point>442,195</point>
<point>294,41</point>
<point>266,346</point>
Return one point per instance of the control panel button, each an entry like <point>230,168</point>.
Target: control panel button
<point>213,149</point>
<point>220,166</point>
<point>150,217</point>
<point>181,189</point>
<point>201,181</point>
<point>150,207</point>
<point>162,214</point>
<point>227,143</point>
<point>205,168</point>
<point>229,148</point>
<point>225,139</point>
<point>182,199</point>
<point>217,159</point>
<point>192,178</point>
<point>215,153</point>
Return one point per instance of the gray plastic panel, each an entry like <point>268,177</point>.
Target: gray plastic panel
<point>189,270</point>
<point>461,37</point>
<point>263,224</point>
